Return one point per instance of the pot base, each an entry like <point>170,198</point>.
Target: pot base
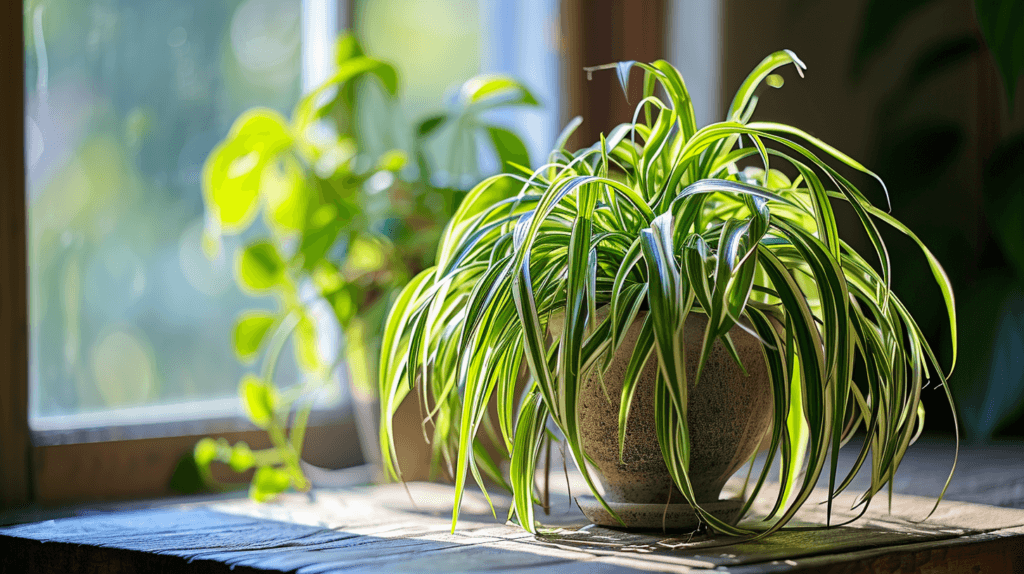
<point>655,516</point>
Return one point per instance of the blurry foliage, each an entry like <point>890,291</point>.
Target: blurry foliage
<point>1002,25</point>
<point>346,229</point>
<point>915,154</point>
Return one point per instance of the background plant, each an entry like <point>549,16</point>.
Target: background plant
<point>987,262</point>
<point>332,232</point>
<point>659,215</point>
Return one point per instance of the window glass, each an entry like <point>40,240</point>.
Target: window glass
<point>436,45</point>
<point>124,99</point>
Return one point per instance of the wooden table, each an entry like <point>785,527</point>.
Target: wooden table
<point>379,529</point>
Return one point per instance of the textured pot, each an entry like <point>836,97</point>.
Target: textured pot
<point>728,414</point>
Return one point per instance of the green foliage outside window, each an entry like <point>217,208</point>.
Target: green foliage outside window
<point>343,231</point>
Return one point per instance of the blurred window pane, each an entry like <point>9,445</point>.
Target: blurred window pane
<point>124,99</point>
<point>436,45</point>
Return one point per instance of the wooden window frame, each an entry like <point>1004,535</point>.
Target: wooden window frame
<point>15,449</point>
<point>99,461</point>
<point>595,32</point>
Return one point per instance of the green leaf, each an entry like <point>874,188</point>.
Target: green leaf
<point>508,146</point>
<point>349,70</point>
<point>242,458</point>
<point>233,170</point>
<point>324,224</point>
<point>187,478</point>
<point>205,452</point>
<point>744,102</point>
<point>622,70</point>
<point>305,343</point>
<point>393,160</point>
<point>567,131</point>
<point>430,125</point>
<point>346,48</point>
<point>529,432</point>
<point>268,482</point>
<point>259,399</point>
<point>259,267</point>
<point>493,89</point>
<point>250,331</point>
<point>285,195</point>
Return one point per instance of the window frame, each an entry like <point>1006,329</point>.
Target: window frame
<point>15,451</point>
<point>99,461</point>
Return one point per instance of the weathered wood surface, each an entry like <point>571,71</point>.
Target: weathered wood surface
<point>379,529</point>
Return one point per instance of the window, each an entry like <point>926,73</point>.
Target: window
<point>129,323</point>
<point>124,100</point>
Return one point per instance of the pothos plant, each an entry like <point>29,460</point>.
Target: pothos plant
<point>660,216</point>
<point>341,231</point>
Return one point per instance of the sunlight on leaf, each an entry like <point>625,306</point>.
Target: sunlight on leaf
<point>259,399</point>
<point>250,331</point>
<point>259,267</point>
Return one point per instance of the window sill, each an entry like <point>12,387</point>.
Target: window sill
<point>101,457</point>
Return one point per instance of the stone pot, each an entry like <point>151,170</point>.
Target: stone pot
<point>729,414</point>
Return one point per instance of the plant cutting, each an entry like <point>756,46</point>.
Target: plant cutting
<point>664,301</point>
<point>342,229</point>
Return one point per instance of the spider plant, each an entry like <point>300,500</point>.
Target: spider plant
<point>659,216</point>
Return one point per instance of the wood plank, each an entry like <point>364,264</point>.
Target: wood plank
<point>381,529</point>
<point>14,436</point>
<point>1001,551</point>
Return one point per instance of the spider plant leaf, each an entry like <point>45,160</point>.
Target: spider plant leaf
<point>393,365</point>
<point>812,381</point>
<point>779,377</point>
<point>650,81</point>
<point>696,254</point>
<point>708,186</point>
<point>838,351</point>
<point>637,361</point>
<point>618,306</point>
<point>675,87</point>
<point>563,137</point>
<point>622,70</point>
<point>665,294</point>
<point>823,215</point>
<point>772,127</point>
<point>529,431</point>
<point>570,348</point>
<point>937,272</point>
<point>743,103</point>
